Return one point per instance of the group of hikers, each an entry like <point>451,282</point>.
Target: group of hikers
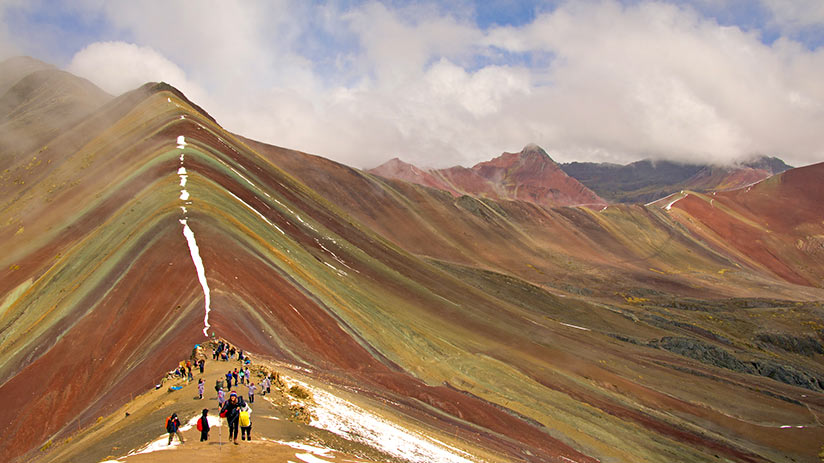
<point>184,370</point>
<point>242,376</point>
<point>236,410</point>
<point>225,352</point>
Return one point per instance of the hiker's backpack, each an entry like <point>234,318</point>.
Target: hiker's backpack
<point>200,424</point>
<point>244,419</point>
<point>169,424</point>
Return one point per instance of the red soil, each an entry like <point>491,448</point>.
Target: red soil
<point>530,176</point>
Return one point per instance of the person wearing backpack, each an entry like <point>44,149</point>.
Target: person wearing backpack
<point>245,422</point>
<point>203,425</point>
<point>231,411</point>
<point>173,427</point>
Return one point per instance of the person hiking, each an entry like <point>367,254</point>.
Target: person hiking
<point>203,425</point>
<point>248,375</point>
<point>240,355</point>
<point>218,384</point>
<point>173,427</point>
<point>245,422</point>
<point>200,364</point>
<point>231,411</point>
<point>200,386</point>
<point>252,389</point>
<point>264,385</point>
<point>189,375</point>
<point>228,380</point>
<point>234,375</point>
<point>242,377</point>
<point>221,397</point>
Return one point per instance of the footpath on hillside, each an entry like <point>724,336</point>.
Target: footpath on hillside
<point>280,424</point>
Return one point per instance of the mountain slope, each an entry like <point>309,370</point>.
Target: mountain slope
<point>512,331</point>
<point>37,102</point>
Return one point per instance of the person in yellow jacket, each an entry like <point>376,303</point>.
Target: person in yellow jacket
<point>245,422</point>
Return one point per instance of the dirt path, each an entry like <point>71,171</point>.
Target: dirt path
<point>139,427</point>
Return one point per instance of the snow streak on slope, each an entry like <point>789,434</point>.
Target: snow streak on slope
<point>201,272</point>
<point>190,239</point>
<point>352,422</point>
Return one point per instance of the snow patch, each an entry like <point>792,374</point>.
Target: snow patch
<point>305,223</point>
<point>322,451</point>
<point>181,140</point>
<point>340,272</point>
<point>575,326</point>
<point>258,214</point>
<point>352,422</point>
<point>309,458</point>
<point>201,271</point>
<point>184,195</point>
<point>334,256</point>
<point>669,206</point>
<point>162,443</point>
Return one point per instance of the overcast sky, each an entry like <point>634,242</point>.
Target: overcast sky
<point>458,82</point>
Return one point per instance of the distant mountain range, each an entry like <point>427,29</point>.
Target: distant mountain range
<point>531,175</point>
<point>647,180</point>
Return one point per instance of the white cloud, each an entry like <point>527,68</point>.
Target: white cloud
<point>361,84</point>
<point>117,67</point>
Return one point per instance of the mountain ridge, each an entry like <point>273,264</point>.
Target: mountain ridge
<point>529,175</point>
<point>647,180</point>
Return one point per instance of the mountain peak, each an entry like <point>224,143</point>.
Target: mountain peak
<point>533,149</point>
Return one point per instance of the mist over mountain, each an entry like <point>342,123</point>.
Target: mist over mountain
<point>499,313</point>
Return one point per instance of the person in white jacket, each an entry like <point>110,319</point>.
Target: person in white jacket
<point>252,389</point>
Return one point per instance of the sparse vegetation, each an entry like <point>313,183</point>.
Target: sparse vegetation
<point>299,392</point>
